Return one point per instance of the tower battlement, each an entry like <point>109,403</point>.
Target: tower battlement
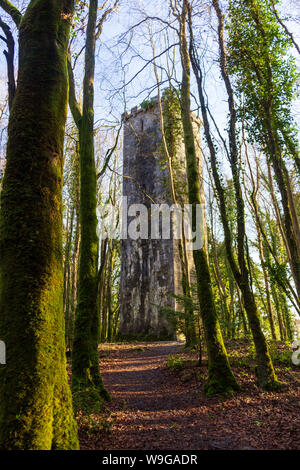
<point>153,102</point>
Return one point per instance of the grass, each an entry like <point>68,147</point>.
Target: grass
<point>174,362</point>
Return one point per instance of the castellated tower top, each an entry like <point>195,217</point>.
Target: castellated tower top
<point>152,103</point>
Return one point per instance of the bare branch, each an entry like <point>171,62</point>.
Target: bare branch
<point>105,16</point>
<point>9,55</point>
<point>109,154</point>
<point>284,27</point>
<point>73,103</point>
<point>14,13</point>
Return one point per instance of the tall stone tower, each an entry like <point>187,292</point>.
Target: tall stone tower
<point>150,268</point>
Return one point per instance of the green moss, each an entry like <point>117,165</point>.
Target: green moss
<point>87,401</point>
<point>217,386</point>
<point>220,377</point>
<point>85,358</point>
<point>148,104</point>
<point>35,400</point>
<point>174,362</point>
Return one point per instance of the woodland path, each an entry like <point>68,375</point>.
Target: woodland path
<point>153,409</point>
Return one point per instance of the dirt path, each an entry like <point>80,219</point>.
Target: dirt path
<point>153,409</point>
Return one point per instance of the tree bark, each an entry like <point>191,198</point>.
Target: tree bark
<point>265,371</point>
<point>85,358</point>
<point>221,378</point>
<point>35,400</point>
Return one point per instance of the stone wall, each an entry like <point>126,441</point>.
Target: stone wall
<point>150,269</point>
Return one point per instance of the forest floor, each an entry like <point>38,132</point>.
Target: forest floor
<point>160,407</point>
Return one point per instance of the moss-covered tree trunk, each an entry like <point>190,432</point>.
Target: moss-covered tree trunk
<point>221,378</point>
<point>275,152</point>
<point>35,400</point>
<point>171,130</point>
<point>85,359</point>
<point>67,265</point>
<point>265,371</point>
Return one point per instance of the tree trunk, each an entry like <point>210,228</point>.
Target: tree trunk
<point>35,404</point>
<point>265,372</point>
<point>221,378</point>
<point>85,357</point>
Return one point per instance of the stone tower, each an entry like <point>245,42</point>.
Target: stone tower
<point>150,268</point>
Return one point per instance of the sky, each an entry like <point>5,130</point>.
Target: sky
<point>122,51</point>
<point>117,62</point>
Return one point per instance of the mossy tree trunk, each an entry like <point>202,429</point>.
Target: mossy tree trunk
<point>74,191</point>
<point>171,130</point>
<point>85,358</point>
<point>35,400</point>
<point>276,154</point>
<point>265,371</point>
<point>221,378</point>
<point>265,76</point>
<point>254,203</point>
